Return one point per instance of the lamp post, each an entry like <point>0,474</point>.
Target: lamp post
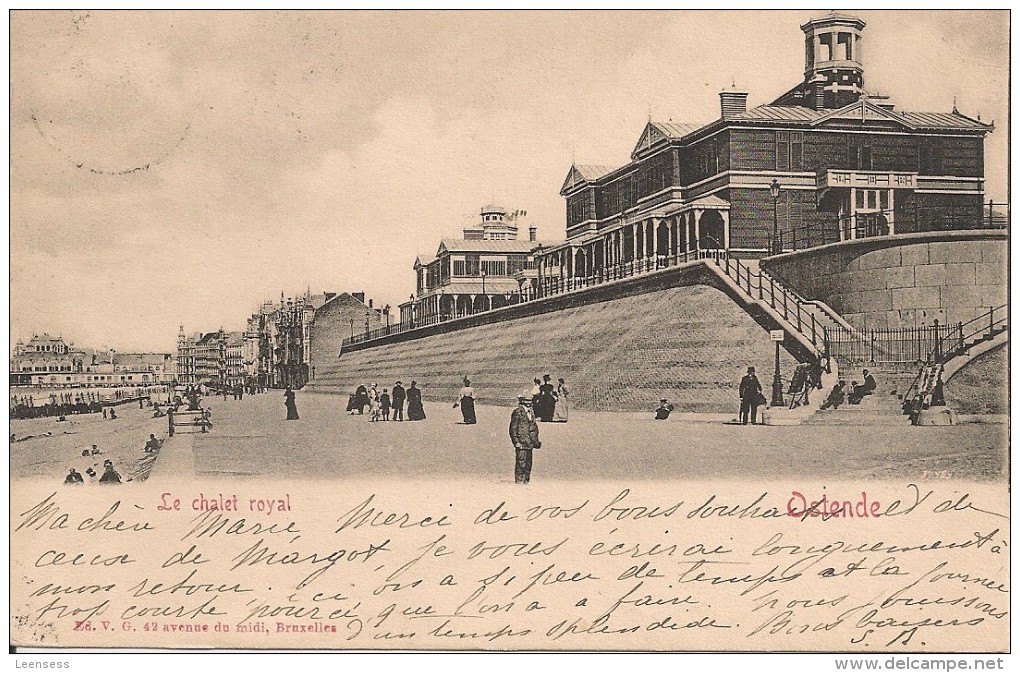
<point>538,265</point>
<point>386,312</point>
<point>352,329</point>
<point>777,246</point>
<point>777,377</point>
<point>483,291</point>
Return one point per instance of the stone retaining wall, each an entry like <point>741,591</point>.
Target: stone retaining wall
<point>902,281</point>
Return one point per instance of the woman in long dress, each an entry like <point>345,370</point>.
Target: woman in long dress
<point>562,402</point>
<point>466,400</point>
<point>288,399</point>
<point>415,410</point>
<point>374,406</point>
<point>546,399</point>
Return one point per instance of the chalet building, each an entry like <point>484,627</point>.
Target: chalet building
<point>490,267</point>
<point>824,162</point>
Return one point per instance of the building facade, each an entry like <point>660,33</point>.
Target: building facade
<point>825,162</point>
<point>43,353</point>
<point>275,349</point>
<point>50,361</point>
<point>488,268</point>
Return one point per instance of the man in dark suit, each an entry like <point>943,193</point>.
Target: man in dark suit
<point>859,392</point>
<point>750,396</point>
<point>664,410</point>
<point>398,402</point>
<point>524,435</point>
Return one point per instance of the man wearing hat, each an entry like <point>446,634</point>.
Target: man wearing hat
<point>662,413</point>
<point>859,392</point>
<point>398,401</point>
<point>750,397</point>
<point>524,435</point>
<point>110,475</point>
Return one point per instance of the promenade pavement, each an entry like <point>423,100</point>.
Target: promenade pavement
<point>250,438</point>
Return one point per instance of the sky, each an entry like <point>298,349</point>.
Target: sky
<point>178,168</point>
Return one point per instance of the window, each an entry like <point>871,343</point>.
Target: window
<point>782,150</point>
<point>846,46</point>
<point>929,159</point>
<point>860,154</point>
<point>825,42</point>
<point>494,268</point>
<point>797,150</point>
<point>516,263</point>
<point>472,266</point>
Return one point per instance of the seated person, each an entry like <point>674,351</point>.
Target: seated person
<point>858,392</point>
<point>153,444</point>
<point>664,409</point>
<point>74,477</point>
<point>836,396</point>
<point>110,475</point>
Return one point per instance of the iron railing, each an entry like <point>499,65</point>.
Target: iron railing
<point>925,388</point>
<point>548,286</point>
<point>993,215</point>
<point>762,287</point>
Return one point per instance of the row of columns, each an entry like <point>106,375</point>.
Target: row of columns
<point>649,239</point>
<point>439,307</point>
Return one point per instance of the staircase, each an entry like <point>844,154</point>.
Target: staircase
<point>968,340</point>
<point>806,326</point>
<point>787,311</point>
<point>883,407</point>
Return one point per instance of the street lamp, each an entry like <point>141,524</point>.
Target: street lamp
<point>538,264</point>
<point>777,378</point>
<point>777,246</point>
<point>483,290</point>
<point>386,312</point>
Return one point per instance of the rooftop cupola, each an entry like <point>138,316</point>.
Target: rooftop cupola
<point>833,74</point>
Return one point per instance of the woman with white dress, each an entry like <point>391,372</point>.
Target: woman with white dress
<point>562,409</point>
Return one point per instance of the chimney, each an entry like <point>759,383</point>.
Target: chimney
<point>370,303</point>
<point>532,233</point>
<point>732,102</point>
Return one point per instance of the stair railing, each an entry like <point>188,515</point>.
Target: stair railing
<point>919,395</point>
<point>764,288</point>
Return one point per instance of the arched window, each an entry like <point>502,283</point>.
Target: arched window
<point>580,265</point>
<point>713,230</point>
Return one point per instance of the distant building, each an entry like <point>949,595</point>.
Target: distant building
<point>44,353</point>
<point>489,267</point>
<point>276,345</point>
<point>50,361</point>
<point>341,317</point>
<point>210,357</point>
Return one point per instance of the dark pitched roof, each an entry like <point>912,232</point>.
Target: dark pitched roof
<point>863,110</point>
<point>593,171</point>
<point>582,174</point>
<point>462,245</point>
